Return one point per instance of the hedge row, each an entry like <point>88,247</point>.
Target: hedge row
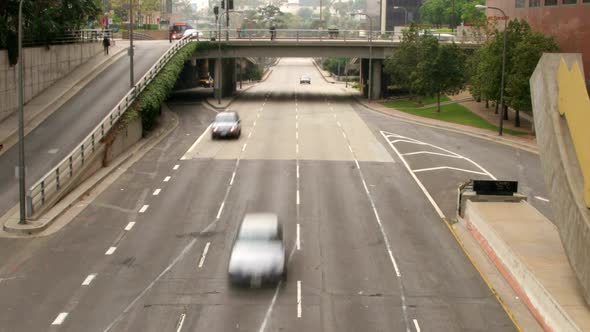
<point>150,100</point>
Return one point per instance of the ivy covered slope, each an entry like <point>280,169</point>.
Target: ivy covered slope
<point>149,101</point>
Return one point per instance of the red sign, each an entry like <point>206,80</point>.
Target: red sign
<point>104,20</point>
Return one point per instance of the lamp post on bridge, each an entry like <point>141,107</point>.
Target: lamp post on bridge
<point>21,130</point>
<point>370,52</point>
<point>503,65</point>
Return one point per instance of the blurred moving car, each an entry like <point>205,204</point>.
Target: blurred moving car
<point>305,79</point>
<point>226,124</point>
<point>258,252</point>
<point>192,32</point>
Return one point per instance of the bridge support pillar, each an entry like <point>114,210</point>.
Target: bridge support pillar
<point>226,69</point>
<point>377,78</point>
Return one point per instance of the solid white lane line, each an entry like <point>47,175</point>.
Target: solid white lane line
<point>270,308</point>
<point>166,179</point>
<point>220,209</point>
<point>297,196</point>
<point>144,208</point>
<point>416,325</point>
<point>298,298</point>
<point>344,134</point>
<point>176,167</point>
<point>542,198</point>
<point>231,182</point>
<point>130,225</point>
<point>157,192</point>
<point>350,148</point>
<point>147,289</point>
<point>180,322</point>
<point>60,318</point>
<point>447,167</point>
<point>204,255</point>
<point>298,238</point>
<point>357,164</point>
<point>433,153</point>
<point>88,279</point>
<point>196,142</point>
<point>110,251</point>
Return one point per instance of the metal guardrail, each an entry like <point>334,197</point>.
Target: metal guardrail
<point>59,176</point>
<point>70,37</point>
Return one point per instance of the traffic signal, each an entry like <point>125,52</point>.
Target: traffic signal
<point>216,10</point>
<point>230,4</point>
<point>222,4</point>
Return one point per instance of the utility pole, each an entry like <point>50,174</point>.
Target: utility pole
<point>21,130</point>
<point>131,80</point>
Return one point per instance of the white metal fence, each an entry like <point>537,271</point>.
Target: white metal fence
<point>58,177</point>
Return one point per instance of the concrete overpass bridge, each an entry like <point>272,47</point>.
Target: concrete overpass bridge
<point>237,44</point>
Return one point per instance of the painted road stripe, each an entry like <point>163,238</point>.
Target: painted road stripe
<point>110,251</point>
<point>231,182</point>
<point>344,134</point>
<point>297,148</point>
<point>157,192</point>
<point>416,325</point>
<point>298,170</point>
<point>204,255</point>
<point>130,225</point>
<point>447,167</point>
<point>166,179</point>
<point>270,307</point>
<point>339,124</point>
<point>220,209</point>
<point>244,147</point>
<point>542,198</point>
<point>433,153</point>
<point>88,279</point>
<point>350,148</point>
<point>195,143</point>
<point>180,322</point>
<point>175,167</point>
<point>298,238</point>
<point>357,164</point>
<point>297,135</point>
<point>144,208</point>
<point>298,298</point>
<point>297,196</point>
<point>60,318</point>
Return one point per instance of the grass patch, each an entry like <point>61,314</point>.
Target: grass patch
<point>456,113</point>
<point>405,103</point>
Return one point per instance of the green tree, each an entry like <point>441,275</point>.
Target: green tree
<point>450,73</point>
<point>440,12</point>
<point>525,57</point>
<point>403,63</point>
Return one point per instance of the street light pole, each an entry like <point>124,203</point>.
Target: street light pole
<point>21,129</point>
<point>370,53</point>
<point>502,110</point>
<point>131,79</point>
<point>218,79</point>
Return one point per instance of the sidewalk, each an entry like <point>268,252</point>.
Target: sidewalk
<point>52,98</point>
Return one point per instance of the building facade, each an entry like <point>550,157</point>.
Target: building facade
<point>401,12</point>
<point>566,20</point>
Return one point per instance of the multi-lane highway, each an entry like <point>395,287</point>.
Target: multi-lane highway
<point>367,249</point>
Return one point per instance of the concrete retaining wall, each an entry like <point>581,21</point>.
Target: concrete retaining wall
<point>124,140</point>
<point>563,176</point>
<point>42,68</point>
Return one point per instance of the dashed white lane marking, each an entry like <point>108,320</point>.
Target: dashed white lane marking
<point>244,147</point>
<point>250,134</point>
<point>144,208</point>
<point>296,125</point>
<point>231,182</point>
<point>298,298</point>
<point>220,210</point>
<point>297,148</point>
<point>130,225</point>
<point>151,285</point>
<point>447,167</point>
<point>339,124</point>
<point>204,255</point>
<point>180,322</point>
<point>416,325</point>
<point>298,243</point>
<point>166,179</point>
<point>156,192</point>
<point>542,199</point>
<point>110,251</point>
<point>60,318</point>
<point>344,134</point>
<point>298,170</point>
<point>88,279</point>
<point>184,157</point>
<point>175,167</point>
<point>297,135</point>
<point>297,196</point>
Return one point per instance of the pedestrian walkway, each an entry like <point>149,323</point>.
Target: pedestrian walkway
<point>48,101</point>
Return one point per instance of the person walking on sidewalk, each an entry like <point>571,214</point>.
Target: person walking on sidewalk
<point>106,43</point>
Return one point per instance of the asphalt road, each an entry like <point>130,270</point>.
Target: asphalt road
<point>367,250</point>
<point>51,141</point>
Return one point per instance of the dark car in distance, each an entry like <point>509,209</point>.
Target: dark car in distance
<point>226,124</point>
<point>258,252</point>
<point>305,79</point>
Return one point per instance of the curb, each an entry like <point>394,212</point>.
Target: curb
<point>467,131</point>
<point>138,150</point>
<point>37,119</point>
<point>320,71</point>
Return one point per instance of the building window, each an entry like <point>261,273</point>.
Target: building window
<point>534,3</point>
<point>570,2</point>
<point>550,2</point>
<point>520,3</point>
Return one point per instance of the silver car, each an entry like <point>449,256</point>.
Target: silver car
<point>258,252</point>
<point>226,124</point>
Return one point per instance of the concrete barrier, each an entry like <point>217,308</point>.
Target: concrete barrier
<point>42,67</point>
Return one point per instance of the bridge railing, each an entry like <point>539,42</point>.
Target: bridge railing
<point>57,179</point>
<point>314,34</point>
